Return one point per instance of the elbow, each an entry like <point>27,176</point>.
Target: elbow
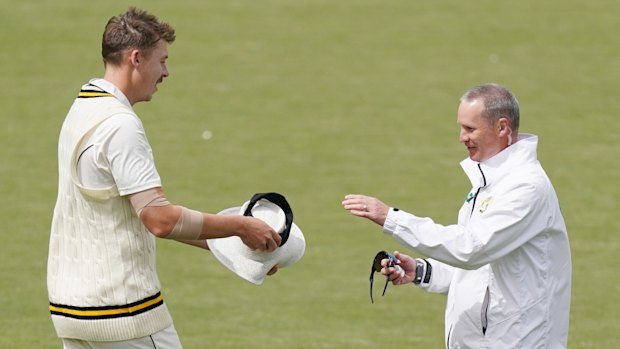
<point>473,260</point>
<point>160,221</point>
<point>159,230</point>
<point>471,264</point>
<point>471,254</point>
<point>469,260</point>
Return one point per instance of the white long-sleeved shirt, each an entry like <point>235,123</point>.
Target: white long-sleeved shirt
<point>506,264</point>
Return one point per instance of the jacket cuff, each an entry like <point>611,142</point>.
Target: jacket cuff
<point>389,226</point>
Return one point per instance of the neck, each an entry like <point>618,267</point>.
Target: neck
<point>121,78</point>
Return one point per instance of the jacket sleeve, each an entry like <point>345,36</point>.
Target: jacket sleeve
<point>498,225</point>
<point>437,278</point>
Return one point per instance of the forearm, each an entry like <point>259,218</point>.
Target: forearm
<point>166,220</point>
<point>424,236</point>
<point>220,226</point>
<point>196,243</point>
<point>169,221</point>
<point>180,223</point>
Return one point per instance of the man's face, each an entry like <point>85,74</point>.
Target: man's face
<point>151,71</point>
<point>481,138</point>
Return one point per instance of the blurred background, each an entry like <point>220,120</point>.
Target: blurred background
<point>316,99</point>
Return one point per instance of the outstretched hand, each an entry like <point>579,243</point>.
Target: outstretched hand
<point>367,207</point>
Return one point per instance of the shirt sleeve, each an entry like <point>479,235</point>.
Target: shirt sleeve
<point>128,154</point>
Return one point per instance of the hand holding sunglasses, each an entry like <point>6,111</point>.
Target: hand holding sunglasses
<point>377,265</point>
<point>400,270</point>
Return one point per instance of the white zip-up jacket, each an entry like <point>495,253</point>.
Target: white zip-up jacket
<point>506,265</point>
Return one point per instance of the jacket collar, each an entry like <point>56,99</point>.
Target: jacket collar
<point>521,152</point>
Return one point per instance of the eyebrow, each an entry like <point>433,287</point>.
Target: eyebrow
<point>467,125</point>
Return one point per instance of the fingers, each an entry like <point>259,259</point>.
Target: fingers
<point>407,262</point>
<point>267,244</point>
<point>357,204</point>
<point>400,276</point>
<point>259,236</point>
<point>394,273</point>
<point>367,207</point>
<point>391,268</point>
<point>400,272</point>
<point>273,270</point>
<point>272,243</point>
<point>403,258</point>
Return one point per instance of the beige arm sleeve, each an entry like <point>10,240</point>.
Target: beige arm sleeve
<point>189,224</point>
<point>149,197</point>
<point>188,227</point>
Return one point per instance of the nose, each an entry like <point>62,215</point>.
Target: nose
<point>463,136</point>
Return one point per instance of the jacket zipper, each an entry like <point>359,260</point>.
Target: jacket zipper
<point>485,303</point>
<point>473,205</point>
<point>484,184</point>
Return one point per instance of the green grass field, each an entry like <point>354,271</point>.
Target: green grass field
<point>316,99</point>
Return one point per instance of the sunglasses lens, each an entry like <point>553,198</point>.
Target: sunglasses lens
<point>377,262</point>
<point>376,268</point>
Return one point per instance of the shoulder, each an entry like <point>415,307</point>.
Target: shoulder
<point>527,181</point>
<point>120,130</point>
<point>121,121</point>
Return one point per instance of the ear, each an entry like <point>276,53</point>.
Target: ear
<point>503,126</point>
<point>134,57</point>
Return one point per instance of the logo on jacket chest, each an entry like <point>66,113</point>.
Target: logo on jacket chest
<point>485,204</point>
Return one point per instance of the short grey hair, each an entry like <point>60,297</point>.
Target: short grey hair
<point>498,102</point>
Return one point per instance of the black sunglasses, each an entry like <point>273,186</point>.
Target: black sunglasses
<point>376,268</point>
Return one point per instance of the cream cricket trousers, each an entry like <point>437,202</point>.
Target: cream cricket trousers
<point>164,339</point>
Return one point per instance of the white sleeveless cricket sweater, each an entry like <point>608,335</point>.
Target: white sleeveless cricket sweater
<point>101,276</point>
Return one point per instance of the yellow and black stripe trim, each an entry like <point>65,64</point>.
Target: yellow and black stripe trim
<point>93,94</point>
<point>107,312</point>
